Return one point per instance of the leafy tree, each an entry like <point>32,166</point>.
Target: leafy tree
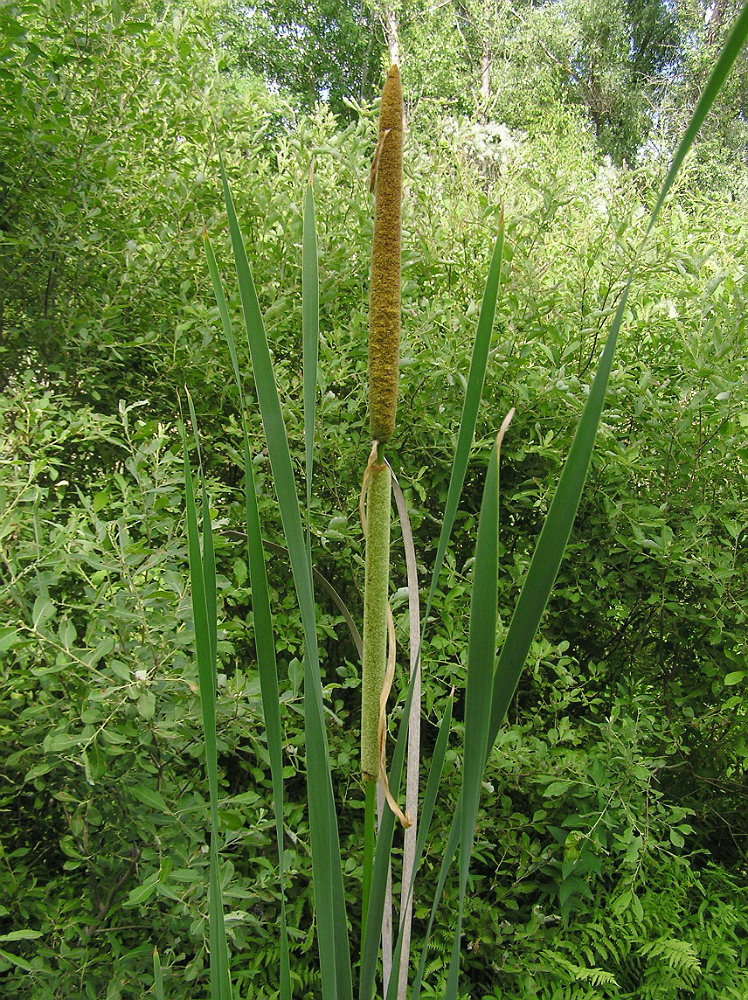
<point>328,50</point>
<point>616,66</point>
<point>721,158</point>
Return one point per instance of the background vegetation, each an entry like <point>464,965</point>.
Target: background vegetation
<point>611,846</point>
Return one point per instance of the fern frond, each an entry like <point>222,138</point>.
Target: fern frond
<point>680,955</point>
<point>578,973</point>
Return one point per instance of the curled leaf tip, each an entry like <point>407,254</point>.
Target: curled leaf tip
<point>504,424</point>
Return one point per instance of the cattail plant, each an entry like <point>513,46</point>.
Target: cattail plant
<point>384,352</point>
<point>491,682</point>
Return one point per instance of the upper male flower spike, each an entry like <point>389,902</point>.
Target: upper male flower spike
<point>384,310</point>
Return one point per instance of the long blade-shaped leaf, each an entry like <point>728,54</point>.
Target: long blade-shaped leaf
<point>473,393</point>
<point>158,978</point>
<point>557,527</point>
<point>476,377</point>
<point>481,659</point>
<point>558,523</point>
<point>310,339</point>
<point>203,588</point>
<point>326,864</point>
<point>427,811</point>
<point>732,49</point>
<point>370,949</point>
<point>410,838</point>
<point>264,633</point>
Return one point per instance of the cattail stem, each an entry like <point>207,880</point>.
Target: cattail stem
<point>376,582</point>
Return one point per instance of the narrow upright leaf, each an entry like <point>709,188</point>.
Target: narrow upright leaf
<point>310,338</point>
<point>264,633</point>
<point>203,588</point>
<point>332,936</point>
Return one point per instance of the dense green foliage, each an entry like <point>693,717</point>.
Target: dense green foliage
<point>611,843</point>
<point>631,69</point>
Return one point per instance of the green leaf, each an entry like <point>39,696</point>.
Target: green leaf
<point>23,935</point>
<point>240,572</point>
<point>335,965</point>
<point>100,500</point>
<point>264,634</point>
<point>621,903</point>
<point>573,887</point>
<point>557,788</point>
<point>8,637</point>
<point>203,584</point>
<point>146,705</point>
<point>150,797</point>
<point>20,963</point>
<point>158,977</point>
<point>44,767</point>
<point>481,659</point>
<point>310,338</point>
<point>61,742</point>
<point>735,677</point>
<point>44,609</point>
<point>142,893</point>
<point>473,394</point>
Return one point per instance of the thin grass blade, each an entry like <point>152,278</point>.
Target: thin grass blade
<point>413,766</point>
<point>431,792</point>
<point>375,910</point>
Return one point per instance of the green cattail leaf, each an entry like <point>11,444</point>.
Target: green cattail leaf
<point>158,978</point>
<point>433,783</point>
<point>473,394</point>
<point>560,518</point>
<point>732,49</point>
<point>558,523</point>
<point>203,589</point>
<point>332,936</point>
<point>263,631</point>
<point>370,949</point>
<point>481,659</point>
<point>310,340</point>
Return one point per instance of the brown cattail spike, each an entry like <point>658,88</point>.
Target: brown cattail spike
<point>384,312</point>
